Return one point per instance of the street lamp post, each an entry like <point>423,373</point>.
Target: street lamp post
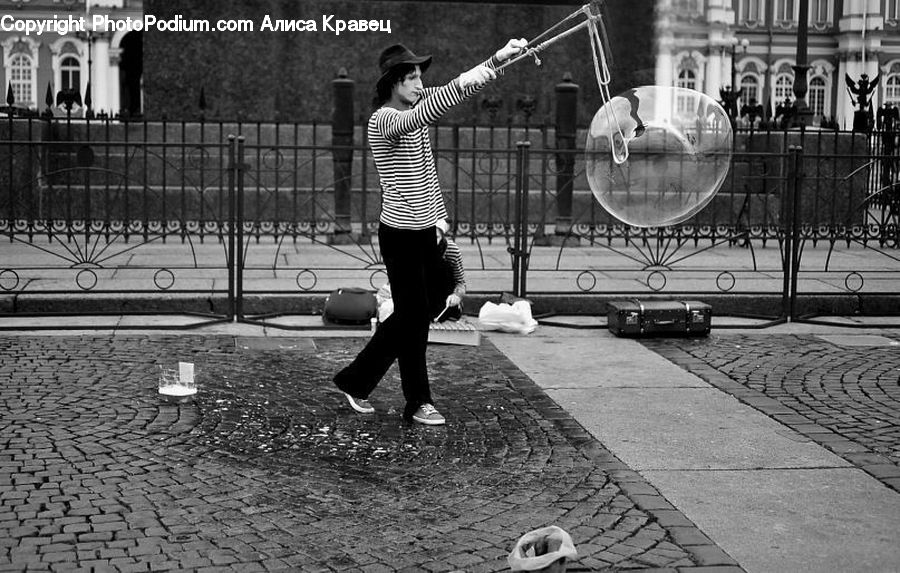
<point>802,112</point>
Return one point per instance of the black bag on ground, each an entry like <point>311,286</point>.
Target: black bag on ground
<point>350,306</point>
<point>665,317</point>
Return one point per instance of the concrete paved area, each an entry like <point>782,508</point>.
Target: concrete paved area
<point>772,497</point>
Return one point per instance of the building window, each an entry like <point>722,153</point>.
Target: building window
<point>817,95</point>
<point>70,74</point>
<point>784,85</point>
<point>688,6</point>
<point>892,89</point>
<point>818,12</point>
<point>751,11</point>
<point>784,10</point>
<point>686,79</point>
<point>749,90</point>
<point>892,10</point>
<point>21,79</point>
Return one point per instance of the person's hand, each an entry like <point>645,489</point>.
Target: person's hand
<point>512,48</point>
<point>453,300</point>
<point>477,76</point>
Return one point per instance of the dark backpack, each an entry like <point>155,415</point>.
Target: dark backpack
<point>350,306</point>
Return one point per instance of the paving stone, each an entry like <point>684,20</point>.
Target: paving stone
<point>843,398</point>
<point>268,469</point>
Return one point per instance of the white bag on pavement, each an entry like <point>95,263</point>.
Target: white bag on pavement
<point>515,318</point>
<point>544,549</point>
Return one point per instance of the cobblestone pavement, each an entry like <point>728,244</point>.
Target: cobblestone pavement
<point>843,392</point>
<point>269,469</point>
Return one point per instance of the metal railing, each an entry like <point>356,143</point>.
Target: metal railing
<point>209,215</point>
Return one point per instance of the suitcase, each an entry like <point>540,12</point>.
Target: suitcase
<point>663,317</point>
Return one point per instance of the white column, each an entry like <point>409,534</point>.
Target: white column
<point>100,73</point>
<point>665,73</point>
<point>115,99</point>
<point>714,73</point>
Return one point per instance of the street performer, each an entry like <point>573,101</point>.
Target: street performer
<point>411,207</point>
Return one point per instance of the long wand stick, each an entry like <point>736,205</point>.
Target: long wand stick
<point>533,50</point>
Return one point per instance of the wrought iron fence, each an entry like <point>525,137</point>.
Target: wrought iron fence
<point>214,211</point>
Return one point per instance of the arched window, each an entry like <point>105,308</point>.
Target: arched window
<point>686,79</point>
<point>892,89</point>
<point>784,88</point>
<point>70,73</point>
<point>749,89</point>
<point>21,78</point>
<point>816,97</point>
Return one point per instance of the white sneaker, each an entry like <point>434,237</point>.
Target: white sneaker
<point>427,414</point>
<point>361,406</point>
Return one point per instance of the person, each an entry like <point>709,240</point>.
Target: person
<point>411,206</point>
<point>753,111</point>
<point>785,111</point>
<point>448,288</point>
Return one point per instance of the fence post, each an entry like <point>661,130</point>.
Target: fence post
<point>791,225</point>
<point>231,259</point>
<point>342,153</point>
<point>566,126</point>
<point>239,226</point>
<point>795,227</point>
<point>519,250</point>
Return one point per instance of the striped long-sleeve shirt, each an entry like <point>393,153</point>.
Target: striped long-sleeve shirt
<point>453,259</point>
<point>410,192</point>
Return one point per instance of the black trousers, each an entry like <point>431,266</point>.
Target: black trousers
<point>412,261</point>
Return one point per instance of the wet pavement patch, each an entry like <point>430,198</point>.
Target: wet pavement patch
<point>269,466</point>
<point>299,344</point>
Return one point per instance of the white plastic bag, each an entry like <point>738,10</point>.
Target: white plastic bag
<point>515,318</point>
<point>545,549</point>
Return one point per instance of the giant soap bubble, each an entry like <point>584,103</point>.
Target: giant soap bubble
<point>657,155</point>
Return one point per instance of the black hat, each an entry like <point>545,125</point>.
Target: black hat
<point>399,54</point>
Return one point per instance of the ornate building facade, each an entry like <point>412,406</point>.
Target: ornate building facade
<point>711,45</point>
<point>706,45</point>
<point>68,52</point>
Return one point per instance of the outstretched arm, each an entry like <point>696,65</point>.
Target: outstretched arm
<point>436,101</point>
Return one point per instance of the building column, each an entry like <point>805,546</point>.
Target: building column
<point>714,66</point>
<point>100,73</point>
<point>665,72</point>
<point>115,97</point>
